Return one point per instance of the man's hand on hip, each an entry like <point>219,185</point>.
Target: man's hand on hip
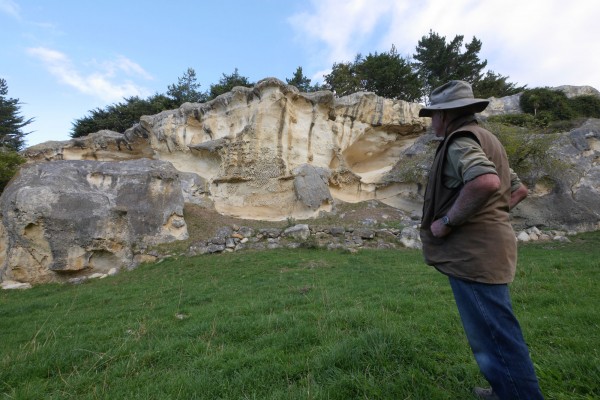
<point>439,229</point>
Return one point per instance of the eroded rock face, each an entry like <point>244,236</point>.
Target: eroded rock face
<point>250,143</point>
<point>570,201</point>
<point>503,105</point>
<point>65,217</point>
<point>246,145</point>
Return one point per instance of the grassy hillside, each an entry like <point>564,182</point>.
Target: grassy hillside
<point>292,324</point>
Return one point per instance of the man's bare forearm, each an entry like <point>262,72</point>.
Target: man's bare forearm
<point>473,196</point>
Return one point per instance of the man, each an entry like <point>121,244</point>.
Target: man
<point>467,236</point>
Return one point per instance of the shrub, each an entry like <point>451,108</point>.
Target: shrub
<point>521,120</point>
<point>554,103</point>
<point>9,165</point>
<point>565,126</point>
<point>586,106</point>
<point>529,154</point>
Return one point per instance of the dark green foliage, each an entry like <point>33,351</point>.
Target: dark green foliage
<point>564,126</point>
<point>495,85</point>
<point>187,90</point>
<point>344,79</point>
<point>521,120</point>
<point>121,116</point>
<point>228,82</point>
<point>553,106</point>
<point>586,106</point>
<point>545,100</point>
<point>12,136</point>
<point>300,81</point>
<point>10,161</point>
<point>438,62</point>
<point>386,74</point>
<point>389,75</point>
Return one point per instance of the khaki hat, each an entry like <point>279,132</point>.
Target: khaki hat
<point>453,95</point>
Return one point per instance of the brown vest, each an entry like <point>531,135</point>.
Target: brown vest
<point>484,248</point>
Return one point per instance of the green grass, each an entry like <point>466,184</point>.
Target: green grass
<point>292,324</point>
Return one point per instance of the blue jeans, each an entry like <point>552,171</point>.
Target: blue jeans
<point>496,340</point>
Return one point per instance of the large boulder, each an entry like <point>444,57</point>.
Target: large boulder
<point>311,186</point>
<point>65,218</point>
<point>503,105</point>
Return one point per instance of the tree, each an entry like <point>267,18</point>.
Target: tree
<point>186,89</point>
<point>389,75</point>
<point>438,62</point>
<point>300,81</point>
<point>547,103</point>
<point>12,136</point>
<point>343,79</point>
<point>386,74</point>
<point>495,85</point>
<point>228,82</point>
<point>121,116</point>
<point>586,106</point>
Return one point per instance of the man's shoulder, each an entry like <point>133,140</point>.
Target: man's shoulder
<point>461,141</point>
<point>472,131</point>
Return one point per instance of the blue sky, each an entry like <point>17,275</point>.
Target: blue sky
<point>63,58</point>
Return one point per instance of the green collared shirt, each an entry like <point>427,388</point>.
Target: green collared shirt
<point>466,161</point>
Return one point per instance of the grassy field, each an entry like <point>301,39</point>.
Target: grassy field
<point>293,324</point>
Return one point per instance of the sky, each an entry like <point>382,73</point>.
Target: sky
<point>63,58</point>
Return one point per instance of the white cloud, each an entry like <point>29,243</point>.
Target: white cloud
<point>342,25</point>
<point>535,42</point>
<point>104,83</point>
<point>11,8</point>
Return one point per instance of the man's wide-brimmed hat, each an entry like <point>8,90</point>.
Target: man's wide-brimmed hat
<point>453,95</point>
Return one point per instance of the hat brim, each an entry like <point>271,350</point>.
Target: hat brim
<point>474,105</point>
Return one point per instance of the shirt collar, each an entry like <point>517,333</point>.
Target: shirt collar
<point>460,122</point>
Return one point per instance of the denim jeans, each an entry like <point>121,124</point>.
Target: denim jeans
<point>496,340</point>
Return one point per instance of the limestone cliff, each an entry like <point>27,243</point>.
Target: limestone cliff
<point>245,146</point>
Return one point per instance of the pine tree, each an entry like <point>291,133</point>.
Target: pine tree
<point>495,85</point>
<point>438,62</point>
<point>389,75</point>
<point>12,136</point>
<point>386,74</point>
<point>186,89</point>
<point>228,82</point>
<point>300,81</point>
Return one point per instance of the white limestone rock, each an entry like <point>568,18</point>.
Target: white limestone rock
<point>523,237</point>
<point>11,285</point>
